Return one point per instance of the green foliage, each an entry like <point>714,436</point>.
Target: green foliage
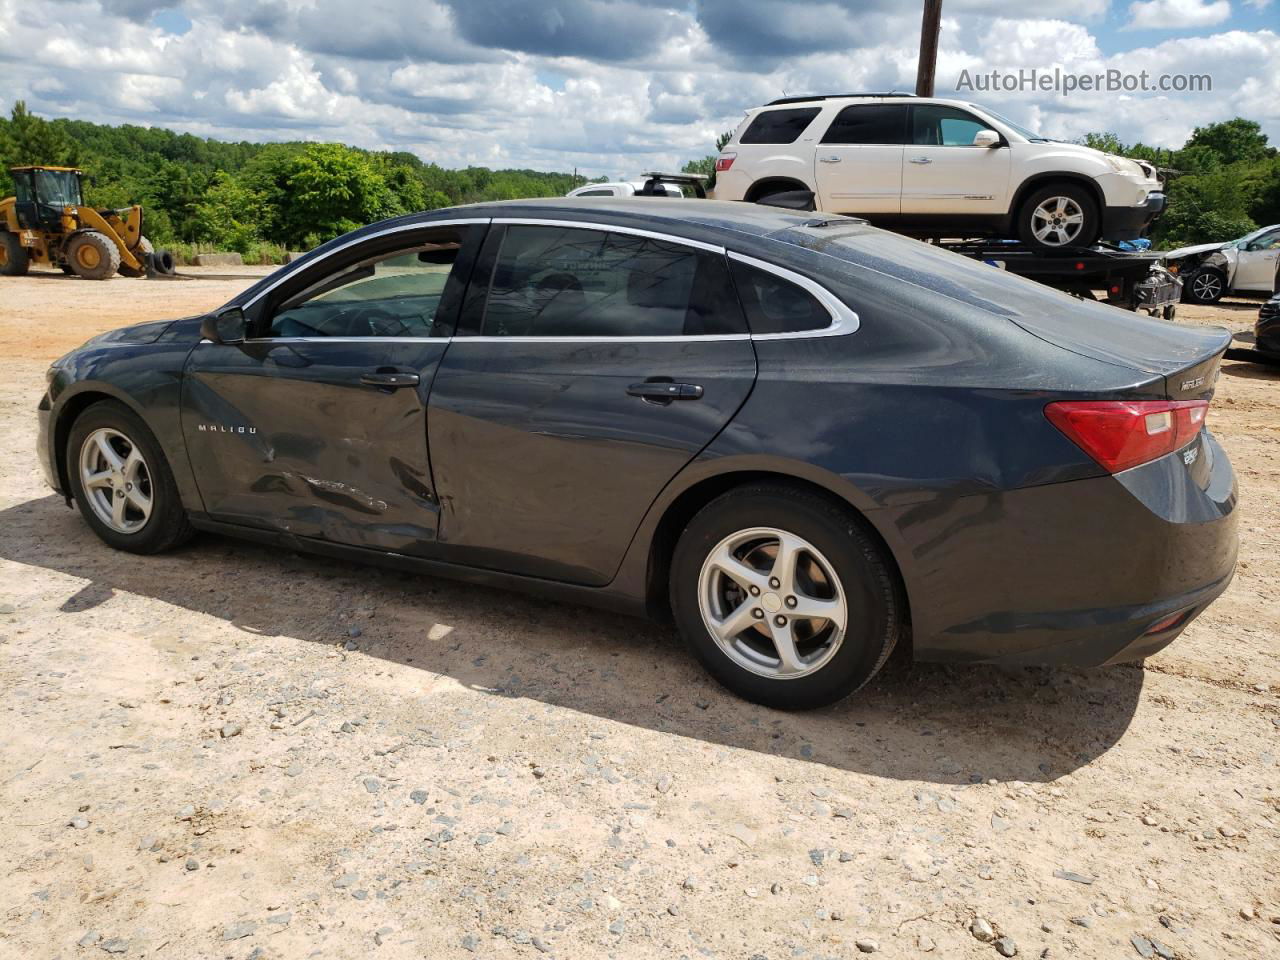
<point>251,197</point>
<point>707,165</point>
<point>1224,182</point>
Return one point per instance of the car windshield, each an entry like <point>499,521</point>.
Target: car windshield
<point>1015,127</point>
<point>1252,236</point>
<point>58,188</point>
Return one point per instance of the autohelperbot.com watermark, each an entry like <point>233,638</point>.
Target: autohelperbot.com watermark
<point>1066,82</point>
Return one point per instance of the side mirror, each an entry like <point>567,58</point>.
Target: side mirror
<point>225,326</point>
<point>986,138</point>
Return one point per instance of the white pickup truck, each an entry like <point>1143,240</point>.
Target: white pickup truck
<point>938,168</point>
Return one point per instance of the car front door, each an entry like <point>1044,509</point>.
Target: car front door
<point>945,173</point>
<point>858,164</point>
<point>1256,263</point>
<point>590,365</point>
<point>315,424</point>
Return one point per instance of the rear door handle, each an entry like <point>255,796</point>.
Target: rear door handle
<point>663,391</point>
<point>921,160</point>
<point>828,159</point>
<point>390,381</point>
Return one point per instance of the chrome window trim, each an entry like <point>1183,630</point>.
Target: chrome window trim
<point>843,319</point>
<point>402,228</point>
<point>609,228</point>
<point>678,338</point>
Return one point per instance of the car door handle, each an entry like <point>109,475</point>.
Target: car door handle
<point>390,381</point>
<point>921,160</point>
<point>664,391</point>
<point>828,159</point>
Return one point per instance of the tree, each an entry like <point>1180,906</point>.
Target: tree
<point>230,215</point>
<point>1234,141</point>
<point>707,165</point>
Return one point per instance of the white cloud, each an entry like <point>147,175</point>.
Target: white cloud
<point>397,74</point>
<point>1177,14</point>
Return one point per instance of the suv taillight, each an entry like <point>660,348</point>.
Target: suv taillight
<point>1120,434</point>
<point>725,161</point>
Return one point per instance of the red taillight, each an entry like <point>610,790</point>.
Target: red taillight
<point>725,161</point>
<point>1120,434</point>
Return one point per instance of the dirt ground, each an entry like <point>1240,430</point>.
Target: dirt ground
<point>234,752</point>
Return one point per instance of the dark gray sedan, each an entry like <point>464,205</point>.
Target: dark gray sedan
<point>803,439</point>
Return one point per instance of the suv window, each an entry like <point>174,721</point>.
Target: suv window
<point>778,126</point>
<point>594,193</point>
<point>933,124</point>
<point>395,295</point>
<point>570,282</point>
<point>869,123</point>
<point>775,305</point>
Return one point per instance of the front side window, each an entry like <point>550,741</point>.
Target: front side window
<point>935,125</point>
<point>775,305</point>
<point>393,295</point>
<point>778,126</point>
<point>571,282</point>
<point>869,124</point>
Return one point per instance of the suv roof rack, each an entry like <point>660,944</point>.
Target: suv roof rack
<point>834,96</point>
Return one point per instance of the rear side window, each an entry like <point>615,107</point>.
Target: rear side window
<point>869,123</point>
<point>594,193</point>
<point>778,126</point>
<point>775,305</point>
<point>570,282</point>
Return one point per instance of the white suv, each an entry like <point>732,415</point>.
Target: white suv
<point>937,168</point>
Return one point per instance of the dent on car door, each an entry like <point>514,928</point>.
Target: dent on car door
<point>315,425</point>
<point>589,367</point>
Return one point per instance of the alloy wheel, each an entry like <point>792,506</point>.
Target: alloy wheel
<point>1057,221</point>
<point>116,480</point>
<point>1206,286</point>
<point>773,603</point>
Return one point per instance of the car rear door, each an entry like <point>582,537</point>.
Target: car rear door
<point>944,173</point>
<point>858,164</point>
<point>315,425</point>
<point>590,365</point>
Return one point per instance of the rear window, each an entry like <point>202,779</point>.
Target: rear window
<point>869,123</point>
<point>778,126</point>
<point>775,305</point>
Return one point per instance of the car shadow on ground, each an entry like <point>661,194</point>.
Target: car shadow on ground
<point>939,724</point>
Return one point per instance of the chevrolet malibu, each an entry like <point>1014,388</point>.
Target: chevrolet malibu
<point>802,439</point>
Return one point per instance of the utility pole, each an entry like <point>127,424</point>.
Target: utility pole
<point>929,25</point>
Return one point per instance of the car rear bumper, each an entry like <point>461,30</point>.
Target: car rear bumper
<point>1081,573</point>
<point>1129,223</point>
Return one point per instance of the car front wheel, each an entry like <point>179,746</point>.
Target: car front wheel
<point>785,596</point>
<point>122,483</point>
<point>1058,216</point>
<point>1205,285</point>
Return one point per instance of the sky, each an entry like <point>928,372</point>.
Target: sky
<point>609,87</point>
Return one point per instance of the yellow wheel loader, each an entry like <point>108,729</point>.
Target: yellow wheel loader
<point>48,223</point>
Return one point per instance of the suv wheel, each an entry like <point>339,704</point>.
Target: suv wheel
<point>122,483</point>
<point>1058,216</point>
<point>784,597</point>
<point>1205,285</point>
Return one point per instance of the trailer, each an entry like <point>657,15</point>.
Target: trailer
<point>1132,280</point>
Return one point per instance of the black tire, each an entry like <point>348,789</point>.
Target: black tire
<point>1204,285</point>
<point>875,607</point>
<point>15,259</point>
<point>143,250</point>
<point>164,263</point>
<point>167,526</point>
<point>1072,193</point>
<point>93,255</point>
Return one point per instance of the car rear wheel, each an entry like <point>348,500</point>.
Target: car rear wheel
<point>1058,216</point>
<point>784,596</point>
<point>122,483</point>
<point>1205,285</point>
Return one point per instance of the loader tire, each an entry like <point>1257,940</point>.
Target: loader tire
<point>14,257</point>
<point>143,250</point>
<point>93,255</point>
